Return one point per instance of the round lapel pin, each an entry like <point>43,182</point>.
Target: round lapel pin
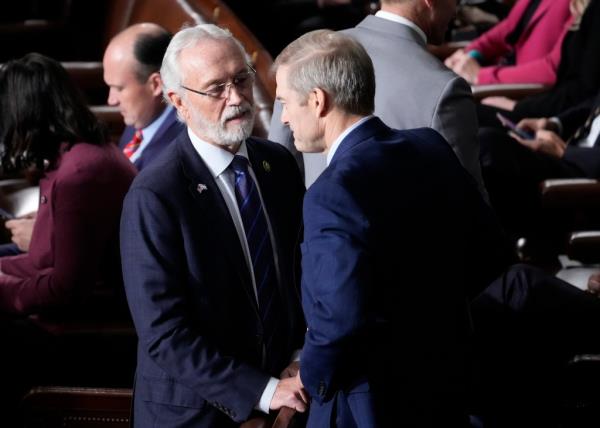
<point>266,166</point>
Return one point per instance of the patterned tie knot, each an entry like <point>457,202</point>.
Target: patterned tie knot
<point>134,144</point>
<point>239,164</point>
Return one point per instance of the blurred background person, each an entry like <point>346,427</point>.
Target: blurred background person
<point>73,254</point>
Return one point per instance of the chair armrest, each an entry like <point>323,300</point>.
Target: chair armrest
<point>584,246</point>
<point>75,406</point>
<point>443,51</point>
<point>515,91</point>
<point>580,193</point>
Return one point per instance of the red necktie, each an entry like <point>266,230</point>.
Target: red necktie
<point>133,145</point>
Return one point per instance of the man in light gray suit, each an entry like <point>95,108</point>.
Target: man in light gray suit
<point>414,89</point>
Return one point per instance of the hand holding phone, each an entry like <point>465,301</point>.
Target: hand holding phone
<point>509,124</point>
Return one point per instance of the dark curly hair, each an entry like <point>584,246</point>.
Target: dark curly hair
<point>41,109</point>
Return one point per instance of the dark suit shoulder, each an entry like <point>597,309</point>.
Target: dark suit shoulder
<point>163,172</point>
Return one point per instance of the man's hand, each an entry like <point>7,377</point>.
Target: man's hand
<point>290,393</point>
<point>455,58</point>
<point>545,142</point>
<point>536,124</point>
<point>593,285</point>
<point>291,370</point>
<point>468,69</point>
<point>21,230</point>
<point>499,102</point>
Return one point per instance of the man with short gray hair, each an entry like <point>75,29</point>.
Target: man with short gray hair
<point>386,343</point>
<point>208,240</point>
<point>414,89</point>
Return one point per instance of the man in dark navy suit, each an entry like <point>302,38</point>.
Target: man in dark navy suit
<point>131,70</point>
<point>386,344</point>
<point>209,234</point>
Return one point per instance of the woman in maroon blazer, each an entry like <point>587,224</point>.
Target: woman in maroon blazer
<point>522,48</point>
<point>46,127</point>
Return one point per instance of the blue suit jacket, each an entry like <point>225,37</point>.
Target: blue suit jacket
<point>190,293</point>
<point>166,133</point>
<point>396,239</point>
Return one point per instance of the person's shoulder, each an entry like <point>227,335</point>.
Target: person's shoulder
<point>161,174</point>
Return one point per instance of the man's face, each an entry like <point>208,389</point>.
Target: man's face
<point>137,101</point>
<point>224,114</point>
<point>298,113</point>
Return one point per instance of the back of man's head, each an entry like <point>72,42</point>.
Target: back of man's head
<point>335,63</point>
<point>149,49</point>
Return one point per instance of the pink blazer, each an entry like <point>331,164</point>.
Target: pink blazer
<point>537,51</point>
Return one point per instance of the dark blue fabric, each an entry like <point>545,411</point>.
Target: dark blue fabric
<point>257,235</point>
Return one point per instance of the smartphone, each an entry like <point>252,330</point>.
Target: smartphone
<point>507,123</point>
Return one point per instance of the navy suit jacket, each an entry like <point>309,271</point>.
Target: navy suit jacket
<point>190,292</point>
<point>396,239</point>
<point>166,133</point>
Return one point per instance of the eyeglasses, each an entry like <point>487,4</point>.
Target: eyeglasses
<point>242,82</point>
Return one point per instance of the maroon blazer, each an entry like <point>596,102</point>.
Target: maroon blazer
<point>74,244</point>
<point>537,51</point>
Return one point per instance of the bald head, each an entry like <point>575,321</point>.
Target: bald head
<point>131,70</point>
<point>142,46</point>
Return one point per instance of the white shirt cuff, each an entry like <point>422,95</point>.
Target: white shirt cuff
<point>265,399</point>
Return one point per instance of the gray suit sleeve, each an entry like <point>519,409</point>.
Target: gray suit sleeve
<point>280,133</point>
<point>455,119</point>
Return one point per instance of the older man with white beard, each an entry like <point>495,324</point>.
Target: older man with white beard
<point>208,237</point>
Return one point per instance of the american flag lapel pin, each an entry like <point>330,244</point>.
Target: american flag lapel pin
<point>201,188</point>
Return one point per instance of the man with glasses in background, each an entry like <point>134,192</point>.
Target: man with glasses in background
<point>208,236</point>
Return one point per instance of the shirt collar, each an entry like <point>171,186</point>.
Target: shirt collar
<point>402,20</point>
<point>216,158</point>
<point>343,135</point>
<point>149,131</point>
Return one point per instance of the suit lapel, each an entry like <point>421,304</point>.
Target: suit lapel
<point>208,200</point>
<point>262,167</point>
<point>164,127</point>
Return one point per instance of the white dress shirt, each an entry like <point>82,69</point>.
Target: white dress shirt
<point>218,161</point>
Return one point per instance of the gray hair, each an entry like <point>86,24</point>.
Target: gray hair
<point>335,63</point>
<point>170,70</point>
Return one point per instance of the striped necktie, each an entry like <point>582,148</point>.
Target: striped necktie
<point>134,144</point>
<point>257,236</point>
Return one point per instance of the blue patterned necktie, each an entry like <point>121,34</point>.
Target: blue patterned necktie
<point>257,236</point>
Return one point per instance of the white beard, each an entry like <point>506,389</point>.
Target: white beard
<point>218,133</point>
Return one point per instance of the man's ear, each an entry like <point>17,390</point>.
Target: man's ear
<point>155,83</point>
<point>178,103</point>
<point>320,102</point>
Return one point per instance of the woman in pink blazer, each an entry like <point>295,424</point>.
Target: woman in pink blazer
<point>506,55</point>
